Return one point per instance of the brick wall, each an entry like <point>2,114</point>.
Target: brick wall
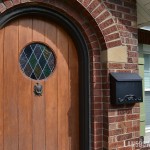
<point>105,24</point>
<point>121,125</point>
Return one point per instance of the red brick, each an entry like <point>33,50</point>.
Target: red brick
<point>93,5</point>
<point>125,124</point>
<point>16,2</point>
<point>95,52</point>
<point>97,138</point>
<point>121,27</point>
<point>123,9</point>
<point>132,117</point>
<point>24,1</point>
<point>112,113</point>
<point>124,71</point>
<point>110,6</point>
<point>133,129</point>
<point>131,41</point>
<point>97,92</point>
<point>8,3</point>
<point>124,137</point>
<point>126,148</point>
<point>116,119</point>
<point>124,111</point>
<point>133,54</point>
<point>113,126</point>
<point>96,112</point>
<point>115,66</point>
<point>85,25</point>
<point>97,145</point>
<point>137,105</point>
<point>114,44</point>
<point>124,22</point>
<point>118,2</point>
<point>98,10</point>
<point>97,125</point>
<point>85,2</point>
<point>97,106</point>
<point>102,17</point>
<point>105,79</point>
<point>131,66</point>
<point>97,99</point>
<point>2,7</point>
<point>96,118</point>
<point>97,79</point>
<point>131,142</point>
<point>112,36</point>
<point>106,86</point>
<point>131,29</point>
<point>96,72</point>
<point>95,45</point>
<point>93,38</point>
<point>97,132</point>
<point>135,123</point>
<point>125,34</point>
<point>109,30</point>
<point>80,1</point>
<point>116,132</point>
<point>116,14</point>
<point>106,23</point>
<point>130,5</point>
<point>116,145</point>
<point>129,17</point>
<point>96,59</point>
<point>136,110</point>
<point>96,65</point>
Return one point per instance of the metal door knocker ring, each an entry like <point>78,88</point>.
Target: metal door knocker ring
<point>38,89</point>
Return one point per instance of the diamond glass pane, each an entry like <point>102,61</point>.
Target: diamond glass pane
<point>37,61</point>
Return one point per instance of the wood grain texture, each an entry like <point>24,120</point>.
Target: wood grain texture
<point>73,97</point>
<point>50,121</point>
<point>63,93</point>
<point>38,101</point>
<point>51,96</point>
<point>11,86</point>
<point>25,90</point>
<point>1,87</point>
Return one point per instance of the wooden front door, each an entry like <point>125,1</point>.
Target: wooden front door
<point>49,121</point>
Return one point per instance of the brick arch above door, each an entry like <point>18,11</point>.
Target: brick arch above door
<point>95,19</point>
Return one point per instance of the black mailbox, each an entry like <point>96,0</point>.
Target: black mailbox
<point>125,88</point>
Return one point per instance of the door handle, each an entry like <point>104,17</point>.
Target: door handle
<point>38,89</point>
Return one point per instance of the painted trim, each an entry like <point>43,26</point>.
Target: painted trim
<point>84,72</point>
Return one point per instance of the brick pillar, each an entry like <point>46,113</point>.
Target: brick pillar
<point>121,123</point>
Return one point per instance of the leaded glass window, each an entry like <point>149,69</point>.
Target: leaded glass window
<point>37,61</point>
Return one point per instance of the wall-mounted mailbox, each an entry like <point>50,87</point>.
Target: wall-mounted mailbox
<point>125,88</point>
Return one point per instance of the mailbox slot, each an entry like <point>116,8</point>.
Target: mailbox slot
<point>125,88</point>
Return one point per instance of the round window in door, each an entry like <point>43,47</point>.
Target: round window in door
<point>37,61</point>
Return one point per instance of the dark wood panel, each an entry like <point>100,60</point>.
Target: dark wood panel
<point>63,93</point>
<point>38,101</point>
<point>51,92</point>
<point>73,97</point>
<point>11,87</point>
<point>25,91</point>
<point>1,87</point>
<point>51,121</point>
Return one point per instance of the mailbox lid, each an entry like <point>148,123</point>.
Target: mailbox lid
<point>123,76</point>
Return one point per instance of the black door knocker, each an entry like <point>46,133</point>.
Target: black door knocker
<point>38,89</point>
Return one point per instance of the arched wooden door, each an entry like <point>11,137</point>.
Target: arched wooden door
<point>28,121</point>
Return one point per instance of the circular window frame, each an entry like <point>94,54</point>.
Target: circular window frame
<point>49,48</point>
